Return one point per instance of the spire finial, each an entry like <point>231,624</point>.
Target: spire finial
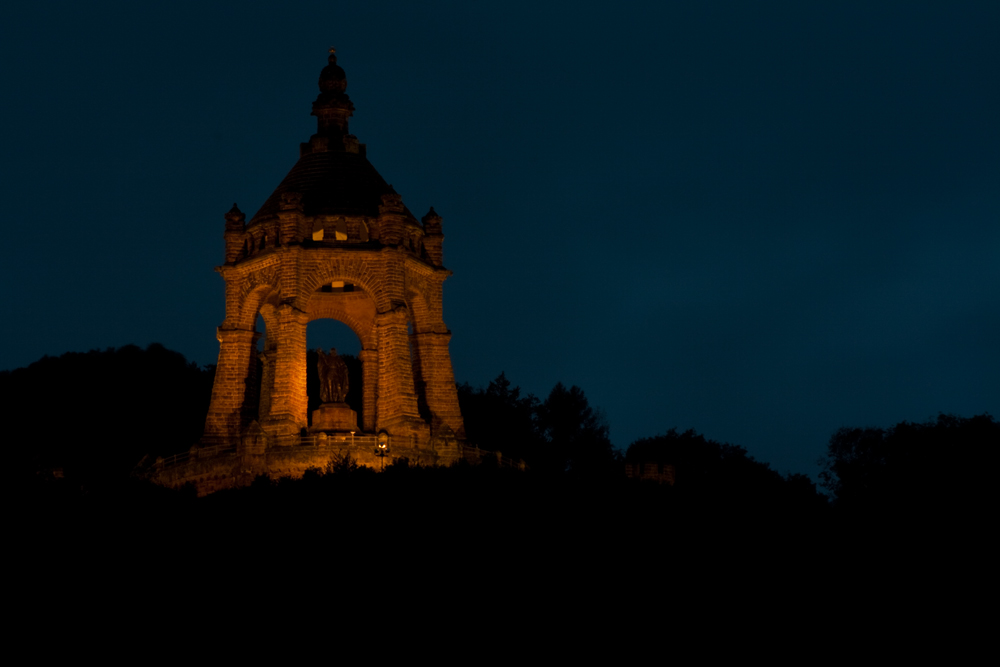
<point>332,108</point>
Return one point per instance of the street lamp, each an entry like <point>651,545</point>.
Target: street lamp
<point>382,449</point>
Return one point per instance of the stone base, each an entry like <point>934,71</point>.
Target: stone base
<point>281,431</point>
<point>334,417</point>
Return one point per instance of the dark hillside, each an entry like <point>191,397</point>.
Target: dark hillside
<point>94,415</point>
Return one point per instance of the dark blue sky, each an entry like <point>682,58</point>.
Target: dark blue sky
<point>760,222</point>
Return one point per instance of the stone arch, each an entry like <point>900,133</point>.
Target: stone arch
<point>357,310</point>
<point>352,271</point>
<point>357,313</point>
<point>269,312</point>
<point>251,302</point>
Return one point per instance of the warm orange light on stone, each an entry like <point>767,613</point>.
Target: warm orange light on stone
<point>332,222</point>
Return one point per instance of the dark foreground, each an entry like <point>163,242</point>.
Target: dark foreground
<point>353,526</point>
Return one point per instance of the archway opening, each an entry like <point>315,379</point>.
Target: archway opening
<point>261,328</point>
<point>327,334</point>
<point>256,402</point>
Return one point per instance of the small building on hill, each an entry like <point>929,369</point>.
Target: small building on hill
<point>662,473</point>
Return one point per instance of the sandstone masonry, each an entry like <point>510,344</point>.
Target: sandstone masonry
<point>334,241</point>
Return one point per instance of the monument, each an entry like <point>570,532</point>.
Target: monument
<point>334,240</point>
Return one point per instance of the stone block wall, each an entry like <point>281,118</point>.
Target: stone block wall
<point>437,382</point>
<point>395,308</point>
<point>226,413</point>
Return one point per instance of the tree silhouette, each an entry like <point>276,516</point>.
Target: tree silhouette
<point>96,414</point>
<point>562,434</point>
<point>717,475</point>
<point>576,434</point>
<point>500,419</point>
<point>913,468</point>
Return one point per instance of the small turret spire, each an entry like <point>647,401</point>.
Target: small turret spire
<point>235,218</point>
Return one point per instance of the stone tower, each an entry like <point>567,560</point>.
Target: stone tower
<point>334,240</point>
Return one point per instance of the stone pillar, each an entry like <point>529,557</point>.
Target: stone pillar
<point>438,381</point>
<point>289,404</point>
<point>267,358</point>
<point>392,219</point>
<point>225,412</point>
<point>397,400</point>
<point>369,388</point>
<point>251,397</point>
<point>291,221</point>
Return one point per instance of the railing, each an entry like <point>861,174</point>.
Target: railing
<point>194,453</point>
<point>471,453</point>
<point>323,440</point>
<point>312,441</point>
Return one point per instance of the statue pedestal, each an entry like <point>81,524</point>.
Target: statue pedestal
<point>334,417</point>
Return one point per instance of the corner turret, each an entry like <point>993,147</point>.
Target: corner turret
<point>433,237</point>
<point>234,234</point>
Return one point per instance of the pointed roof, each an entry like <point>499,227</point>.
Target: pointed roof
<point>331,184</point>
<point>333,175</point>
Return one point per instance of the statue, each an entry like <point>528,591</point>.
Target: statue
<point>333,379</point>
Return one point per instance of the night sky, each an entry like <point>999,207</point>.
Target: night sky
<point>762,221</point>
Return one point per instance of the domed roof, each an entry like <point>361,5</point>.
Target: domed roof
<point>332,79</point>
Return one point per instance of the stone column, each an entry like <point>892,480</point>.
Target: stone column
<point>225,412</point>
<point>267,358</point>
<point>397,400</point>
<point>288,393</point>
<point>251,397</point>
<point>438,381</point>
<point>369,388</point>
